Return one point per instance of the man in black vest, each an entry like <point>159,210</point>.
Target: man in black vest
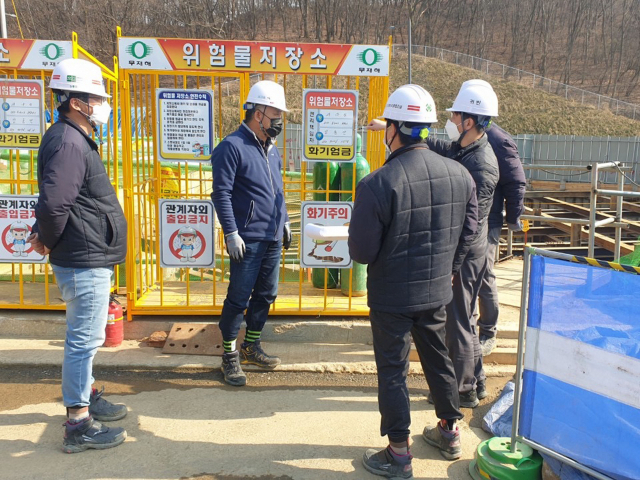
<point>81,226</point>
<point>411,224</point>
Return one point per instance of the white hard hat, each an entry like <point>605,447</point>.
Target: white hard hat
<point>76,75</point>
<point>187,231</point>
<point>266,92</point>
<point>476,97</point>
<point>18,226</point>
<point>411,103</point>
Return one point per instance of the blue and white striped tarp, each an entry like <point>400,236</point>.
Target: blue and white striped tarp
<point>581,381</point>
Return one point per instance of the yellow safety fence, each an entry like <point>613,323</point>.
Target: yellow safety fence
<point>32,285</point>
<point>128,149</point>
<point>147,64</point>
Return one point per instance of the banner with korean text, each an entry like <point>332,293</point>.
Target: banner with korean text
<point>261,57</point>
<point>33,54</point>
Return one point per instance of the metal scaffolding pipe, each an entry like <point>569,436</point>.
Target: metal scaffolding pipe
<point>605,221</point>
<point>617,193</point>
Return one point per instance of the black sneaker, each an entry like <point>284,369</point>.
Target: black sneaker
<point>232,370</point>
<point>481,390</point>
<point>469,399</point>
<point>252,353</point>
<point>382,463</point>
<point>447,441</point>
<point>103,410</point>
<point>91,434</point>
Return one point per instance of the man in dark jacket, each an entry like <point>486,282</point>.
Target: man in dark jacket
<point>81,226</point>
<point>249,199</point>
<point>471,113</point>
<point>412,222</point>
<point>509,195</point>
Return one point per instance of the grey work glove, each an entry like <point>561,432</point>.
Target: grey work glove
<point>515,227</point>
<point>235,246</point>
<point>286,236</point>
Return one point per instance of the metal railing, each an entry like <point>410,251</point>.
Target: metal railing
<point>579,95</point>
<point>592,223</point>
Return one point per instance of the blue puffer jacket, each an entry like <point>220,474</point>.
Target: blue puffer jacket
<point>247,187</point>
<point>512,183</point>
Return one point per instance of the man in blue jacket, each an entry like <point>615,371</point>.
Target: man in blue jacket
<point>249,199</point>
<point>509,195</point>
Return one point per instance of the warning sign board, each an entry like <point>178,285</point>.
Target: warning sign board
<point>21,113</point>
<point>17,216</point>
<point>330,118</point>
<point>187,231</point>
<point>325,251</point>
<point>185,124</point>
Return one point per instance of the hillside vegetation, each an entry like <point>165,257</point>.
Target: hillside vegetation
<point>522,109</point>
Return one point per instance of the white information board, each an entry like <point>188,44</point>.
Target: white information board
<point>185,125</point>
<point>17,216</point>
<point>187,233</point>
<point>325,252</point>
<point>329,118</point>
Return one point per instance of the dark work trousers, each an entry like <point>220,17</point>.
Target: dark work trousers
<point>461,337</point>
<point>488,304</point>
<point>253,285</point>
<point>391,345</point>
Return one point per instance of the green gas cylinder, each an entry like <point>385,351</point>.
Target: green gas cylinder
<point>321,172</point>
<point>361,169</point>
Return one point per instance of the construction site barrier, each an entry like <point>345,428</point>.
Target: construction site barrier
<point>578,371</point>
<point>27,282</point>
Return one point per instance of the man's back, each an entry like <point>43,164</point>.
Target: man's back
<point>420,207</point>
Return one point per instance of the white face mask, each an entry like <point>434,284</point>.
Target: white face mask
<point>101,113</point>
<point>452,130</point>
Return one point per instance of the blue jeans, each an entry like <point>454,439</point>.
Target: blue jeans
<point>253,285</point>
<point>86,293</point>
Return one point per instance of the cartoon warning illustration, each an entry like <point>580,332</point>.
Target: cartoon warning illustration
<point>17,215</point>
<point>189,240</point>
<point>186,233</point>
<point>19,231</point>
<point>325,231</point>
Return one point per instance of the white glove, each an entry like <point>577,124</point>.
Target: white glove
<point>235,246</point>
<point>515,227</point>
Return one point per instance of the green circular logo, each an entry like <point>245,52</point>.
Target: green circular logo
<point>370,57</point>
<point>52,51</point>
<point>139,50</point>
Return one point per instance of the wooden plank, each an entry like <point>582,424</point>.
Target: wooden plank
<point>584,212</point>
<point>600,240</point>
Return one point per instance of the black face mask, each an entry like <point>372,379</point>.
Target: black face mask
<point>275,128</point>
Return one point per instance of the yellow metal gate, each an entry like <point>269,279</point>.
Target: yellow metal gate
<point>29,285</point>
<point>147,64</point>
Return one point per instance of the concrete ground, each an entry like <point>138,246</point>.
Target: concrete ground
<point>188,424</point>
<point>312,418</point>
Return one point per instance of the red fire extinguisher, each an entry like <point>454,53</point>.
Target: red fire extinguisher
<point>115,327</point>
